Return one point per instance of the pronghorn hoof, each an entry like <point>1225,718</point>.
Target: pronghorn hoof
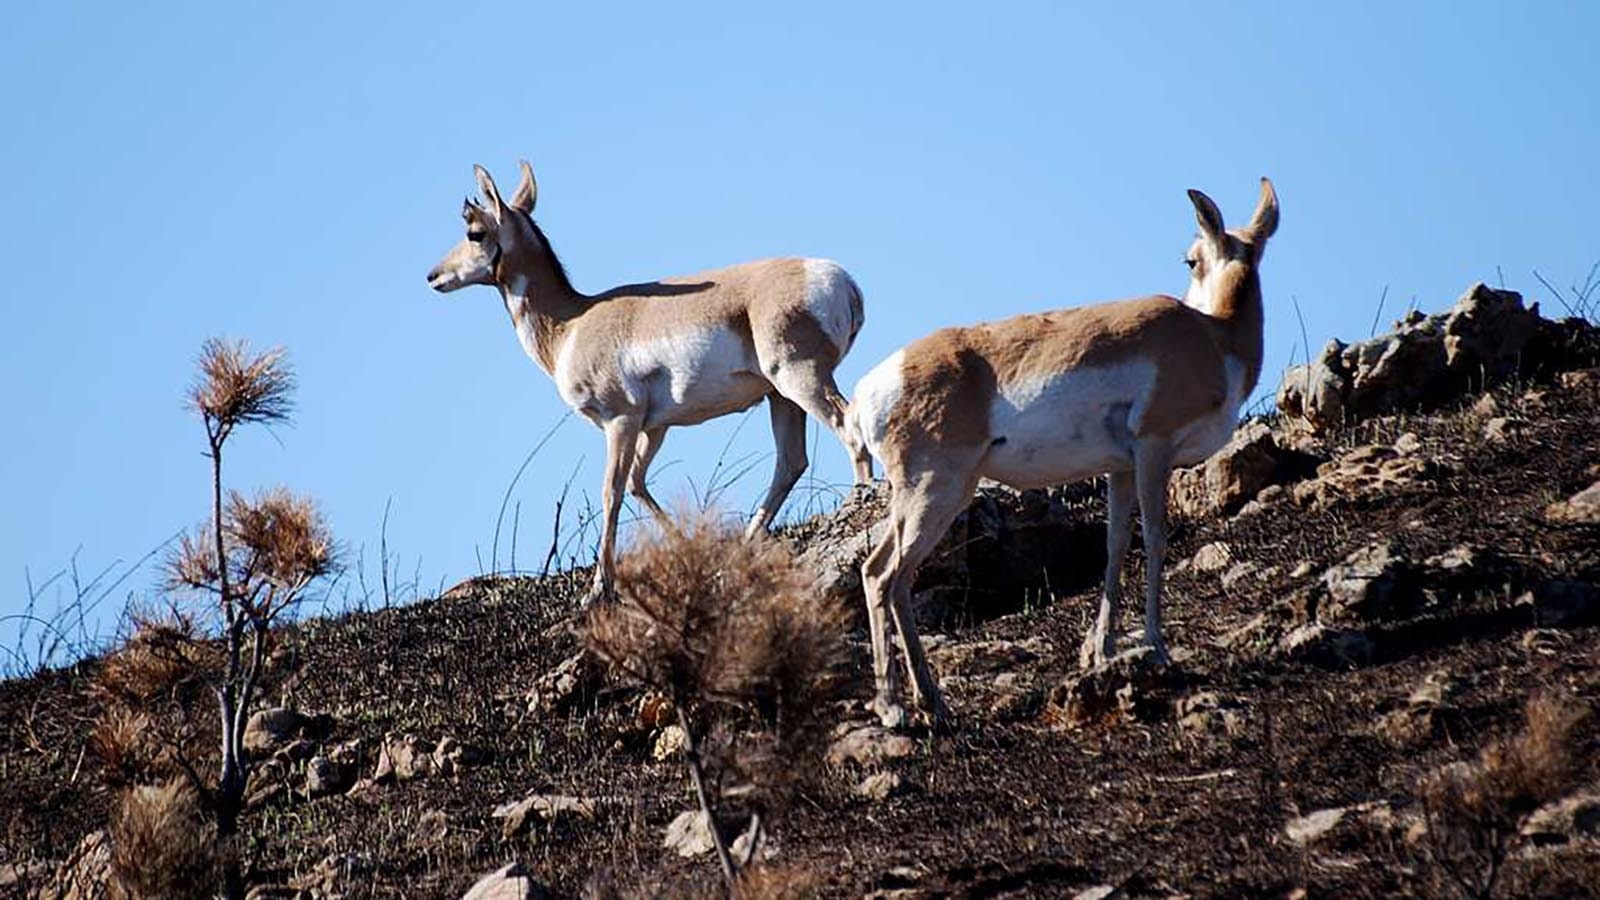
<point>595,595</point>
<point>890,715</point>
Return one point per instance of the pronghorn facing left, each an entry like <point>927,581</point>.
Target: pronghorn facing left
<point>1127,389</point>
<point>642,358</point>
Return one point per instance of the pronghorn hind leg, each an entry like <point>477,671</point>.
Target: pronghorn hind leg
<point>789,435</point>
<point>1100,644</point>
<point>874,583</point>
<point>1152,468</point>
<point>622,435</point>
<point>648,445</point>
<point>923,512</point>
<point>810,383</point>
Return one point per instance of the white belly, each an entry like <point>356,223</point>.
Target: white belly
<point>687,378</point>
<point>1067,427</point>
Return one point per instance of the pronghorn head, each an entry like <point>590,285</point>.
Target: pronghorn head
<point>1219,257</point>
<point>497,231</point>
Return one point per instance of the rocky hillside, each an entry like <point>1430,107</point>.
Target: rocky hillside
<point>1367,588</point>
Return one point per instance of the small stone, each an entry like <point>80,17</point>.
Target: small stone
<point>869,745</point>
<point>1501,429</point>
<point>1307,828</point>
<point>1240,572</point>
<point>689,835</point>
<point>669,744</point>
<point>1407,444</point>
<point>324,777</point>
<point>1303,569</point>
<point>450,756</point>
<point>1208,713</point>
<point>1329,646</point>
<point>880,786</point>
<point>1213,557</point>
<point>510,882</point>
<point>1098,892</point>
<point>1582,508</point>
<point>518,814</point>
<point>403,758</point>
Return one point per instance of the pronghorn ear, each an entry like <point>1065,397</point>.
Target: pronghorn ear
<point>491,194</point>
<point>1264,223</point>
<point>1209,216</point>
<point>527,192</point>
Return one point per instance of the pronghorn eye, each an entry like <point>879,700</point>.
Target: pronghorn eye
<point>1191,263</point>
<point>475,236</point>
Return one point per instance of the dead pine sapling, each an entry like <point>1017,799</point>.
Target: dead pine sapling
<point>731,632</point>
<point>255,559</point>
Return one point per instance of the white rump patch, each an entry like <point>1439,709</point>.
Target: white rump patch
<point>830,296</point>
<point>876,395</point>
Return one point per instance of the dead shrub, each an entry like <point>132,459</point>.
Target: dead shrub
<point>161,846</point>
<point>1475,810</point>
<point>730,631</point>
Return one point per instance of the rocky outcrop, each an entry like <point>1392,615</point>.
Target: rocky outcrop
<point>1232,477</point>
<point>1008,548</point>
<point>1488,336</point>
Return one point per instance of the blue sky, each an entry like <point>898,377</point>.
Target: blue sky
<point>288,172</point>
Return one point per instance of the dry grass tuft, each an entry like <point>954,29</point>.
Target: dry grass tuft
<point>161,847</point>
<point>146,668</point>
<point>1475,811</point>
<point>731,631</point>
<point>237,387</point>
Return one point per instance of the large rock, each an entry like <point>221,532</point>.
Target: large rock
<point>1230,478</point>
<point>1374,583</point>
<point>511,882</point>
<point>1005,550</point>
<point>1132,686</point>
<point>566,686</point>
<point>404,757</point>
<point>1488,336</point>
<point>271,730</point>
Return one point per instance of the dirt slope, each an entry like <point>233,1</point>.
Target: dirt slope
<point>1300,687</point>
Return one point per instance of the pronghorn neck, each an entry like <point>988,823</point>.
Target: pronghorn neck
<point>542,303</point>
<point>1236,305</point>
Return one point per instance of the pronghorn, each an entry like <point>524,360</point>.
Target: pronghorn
<point>1128,389</point>
<point>641,358</point>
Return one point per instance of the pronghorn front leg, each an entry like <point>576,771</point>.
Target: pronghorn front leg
<point>621,435</point>
<point>1100,644</point>
<point>1152,467</point>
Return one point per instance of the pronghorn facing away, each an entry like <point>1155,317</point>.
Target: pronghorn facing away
<point>641,358</point>
<point>1129,389</point>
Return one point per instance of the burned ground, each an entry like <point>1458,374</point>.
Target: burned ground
<point>1286,701</point>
